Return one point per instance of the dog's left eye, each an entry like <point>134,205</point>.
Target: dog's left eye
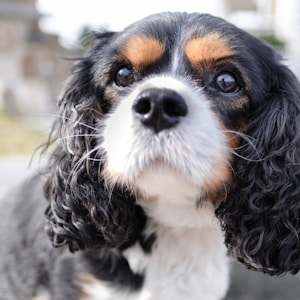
<point>124,77</point>
<point>226,82</point>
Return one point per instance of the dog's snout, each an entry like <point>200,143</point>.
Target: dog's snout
<point>160,109</point>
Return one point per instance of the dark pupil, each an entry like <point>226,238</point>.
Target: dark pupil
<point>227,83</point>
<point>124,77</point>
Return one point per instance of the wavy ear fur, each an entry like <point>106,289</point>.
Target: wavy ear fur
<point>261,216</point>
<point>82,212</point>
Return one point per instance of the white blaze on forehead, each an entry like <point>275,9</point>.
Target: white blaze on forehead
<point>192,150</point>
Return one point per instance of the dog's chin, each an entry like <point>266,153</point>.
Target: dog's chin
<point>161,181</point>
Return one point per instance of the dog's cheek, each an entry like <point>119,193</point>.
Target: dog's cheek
<point>117,140</point>
<point>221,176</point>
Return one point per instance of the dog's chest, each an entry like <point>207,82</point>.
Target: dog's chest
<point>181,265</point>
<point>188,264</point>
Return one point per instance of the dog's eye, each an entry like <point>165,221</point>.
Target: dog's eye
<point>226,82</point>
<point>124,77</point>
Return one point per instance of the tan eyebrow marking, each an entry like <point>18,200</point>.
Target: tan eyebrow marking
<point>142,50</point>
<point>207,48</point>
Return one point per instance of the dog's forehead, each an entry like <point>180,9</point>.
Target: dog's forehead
<point>200,37</point>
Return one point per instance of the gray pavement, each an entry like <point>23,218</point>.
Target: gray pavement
<point>13,170</point>
<point>250,285</point>
<point>245,285</point>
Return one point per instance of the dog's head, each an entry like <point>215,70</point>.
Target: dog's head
<point>182,104</point>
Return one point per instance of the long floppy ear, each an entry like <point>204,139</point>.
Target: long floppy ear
<point>261,216</point>
<point>83,213</point>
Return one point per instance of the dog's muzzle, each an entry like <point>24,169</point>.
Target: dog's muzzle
<point>159,108</point>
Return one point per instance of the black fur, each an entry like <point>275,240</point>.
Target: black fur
<point>261,215</point>
<point>110,266</point>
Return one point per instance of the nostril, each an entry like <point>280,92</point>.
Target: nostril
<point>143,106</point>
<point>174,107</point>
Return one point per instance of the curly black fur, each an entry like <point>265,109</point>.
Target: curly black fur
<point>82,212</point>
<point>261,216</point>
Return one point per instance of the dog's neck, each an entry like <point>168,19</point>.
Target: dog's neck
<point>181,217</point>
<point>171,200</point>
<point>188,259</point>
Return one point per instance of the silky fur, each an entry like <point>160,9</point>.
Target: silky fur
<point>132,207</point>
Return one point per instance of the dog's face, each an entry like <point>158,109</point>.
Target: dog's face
<point>179,90</point>
<point>186,108</point>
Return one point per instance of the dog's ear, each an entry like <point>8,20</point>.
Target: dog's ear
<point>83,213</point>
<point>261,215</point>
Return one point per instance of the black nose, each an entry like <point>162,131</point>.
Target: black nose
<point>159,109</point>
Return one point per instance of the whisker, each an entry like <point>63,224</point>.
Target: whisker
<point>85,157</point>
<point>46,115</point>
<point>75,135</point>
<point>251,142</point>
<point>244,136</point>
<point>246,158</point>
<point>225,189</point>
<point>68,119</point>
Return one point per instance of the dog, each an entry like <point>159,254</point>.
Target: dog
<point>177,142</point>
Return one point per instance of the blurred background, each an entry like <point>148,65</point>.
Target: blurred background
<point>36,36</point>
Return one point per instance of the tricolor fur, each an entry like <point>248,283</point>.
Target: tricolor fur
<point>170,131</point>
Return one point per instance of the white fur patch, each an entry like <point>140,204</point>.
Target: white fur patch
<point>185,264</point>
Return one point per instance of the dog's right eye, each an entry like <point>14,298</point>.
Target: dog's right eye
<point>124,77</point>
